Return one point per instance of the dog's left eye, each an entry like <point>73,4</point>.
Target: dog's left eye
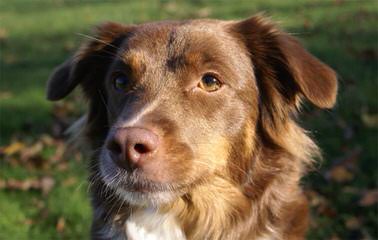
<point>121,82</point>
<point>209,83</point>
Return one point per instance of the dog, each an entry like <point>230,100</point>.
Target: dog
<point>193,128</point>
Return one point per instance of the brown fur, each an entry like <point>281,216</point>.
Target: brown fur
<point>234,158</point>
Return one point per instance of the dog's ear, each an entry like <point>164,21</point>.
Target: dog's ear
<point>89,63</point>
<point>282,66</point>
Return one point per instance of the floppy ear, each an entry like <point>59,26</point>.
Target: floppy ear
<point>282,66</point>
<point>89,63</point>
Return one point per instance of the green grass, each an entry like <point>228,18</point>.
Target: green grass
<point>35,36</point>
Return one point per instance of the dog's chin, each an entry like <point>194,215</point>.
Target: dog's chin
<point>146,198</point>
<point>135,188</point>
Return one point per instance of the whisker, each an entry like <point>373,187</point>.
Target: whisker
<point>98,40</point>
<point>103,101</point>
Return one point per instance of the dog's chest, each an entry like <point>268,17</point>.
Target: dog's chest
<point>147,224</point>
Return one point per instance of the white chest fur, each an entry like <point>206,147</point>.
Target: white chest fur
<point>148,224</point>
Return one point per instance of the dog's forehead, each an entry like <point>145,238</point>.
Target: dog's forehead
<point>172,42</point>
<point>159,34</point>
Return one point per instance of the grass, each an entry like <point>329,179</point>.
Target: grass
<point>35,36</point>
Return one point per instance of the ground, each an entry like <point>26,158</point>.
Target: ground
<point>43,194</point>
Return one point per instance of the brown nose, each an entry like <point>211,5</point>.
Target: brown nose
<point>129,147</point>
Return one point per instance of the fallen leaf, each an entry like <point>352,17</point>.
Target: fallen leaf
<point>369,198</point>
<point>5,95</point>
<point>307,24</point>
<point>340,174</point>
<point>334,237</point>
<point>78,157</point>
<point>13,148</point>
<point>69,181</point>
<point>353,223</point>
<point>60,225</point>
<point>63,166</point>
<point>2,184</point>
<point>37,203</point>
<point>46,184</point>
<point>3,34</point>
<point>370,120</point>
<point>315,199</point>
<point>59,152</point>
<point>43,184</point>
<point>22,185</point>
<point>63,109</point>
<point>32,151</point>
<point>28,221</point>
<point>326,210</point>
<point>47,140</point>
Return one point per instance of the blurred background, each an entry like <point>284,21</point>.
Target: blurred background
<point>43,193</point>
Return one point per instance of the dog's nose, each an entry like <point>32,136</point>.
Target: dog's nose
<point>129,147</point>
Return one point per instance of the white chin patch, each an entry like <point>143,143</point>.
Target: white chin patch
<point>149,224</point>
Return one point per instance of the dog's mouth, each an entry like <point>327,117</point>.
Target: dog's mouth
<point>140,184</point>
<point>137,189</point>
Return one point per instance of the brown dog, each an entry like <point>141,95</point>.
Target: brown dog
<point>194,122</point>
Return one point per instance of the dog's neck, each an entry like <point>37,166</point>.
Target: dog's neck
<point>209,209</point>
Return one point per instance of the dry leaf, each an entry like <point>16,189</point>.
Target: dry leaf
<point>334,237</point>
<point>69,181</point>
<point>3,34</point>
<point>63,166</point>
<point>47,140</point>
<point>28,221</point>
<point>31,152</point>
<point>315,199</point>
<point>2,184</point>
<point>63,109</point>
<point>353,223</point>
<point>340,174</point>
<point>326,210</point>
<point>5,95</point>
<point>370,120</point>
<point>46,184</point>
<point>13,148</point>
<point>59,152</point>
<point>369,198</point>
<point>37,203</point>
<point>60,225</point>
<point>23,185</point>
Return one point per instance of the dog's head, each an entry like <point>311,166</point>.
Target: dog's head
<point>174,103</point>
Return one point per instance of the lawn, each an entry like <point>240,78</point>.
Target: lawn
<point>43,193</point>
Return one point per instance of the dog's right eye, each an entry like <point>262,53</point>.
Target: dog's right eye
<point>121,82</point>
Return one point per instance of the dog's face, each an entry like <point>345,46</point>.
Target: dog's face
<point>175,103</point>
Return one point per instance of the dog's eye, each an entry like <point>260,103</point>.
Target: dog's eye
<point>209,83</point>
<point>121,82</point>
